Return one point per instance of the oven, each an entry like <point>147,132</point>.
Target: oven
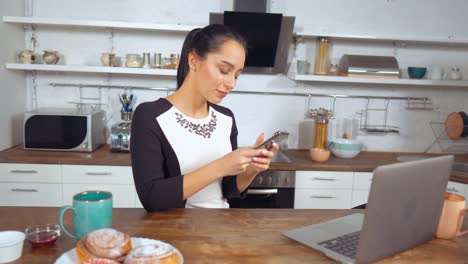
<point>270,189</point>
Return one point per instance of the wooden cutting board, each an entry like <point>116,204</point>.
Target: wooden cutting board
<point>454,125</point>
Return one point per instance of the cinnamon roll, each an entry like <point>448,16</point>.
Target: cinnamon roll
<point>104,243</point>
<point>160,253</point>
<point>101,261</point>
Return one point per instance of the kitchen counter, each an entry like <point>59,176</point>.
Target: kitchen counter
<point>300,160</point>
<point>222,235</point>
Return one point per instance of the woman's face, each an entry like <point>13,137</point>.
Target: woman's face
<point>216,75</point>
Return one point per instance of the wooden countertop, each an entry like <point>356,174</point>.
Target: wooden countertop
<point>222,235</point>
<point>300,160</point>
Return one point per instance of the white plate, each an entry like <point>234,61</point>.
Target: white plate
<point>70,256</point>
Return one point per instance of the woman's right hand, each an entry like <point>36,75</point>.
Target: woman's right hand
<point>237,161</point>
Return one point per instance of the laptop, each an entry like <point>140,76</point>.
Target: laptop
<point>403,210</point>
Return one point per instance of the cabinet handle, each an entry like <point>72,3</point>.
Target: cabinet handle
<point>323,179</point>
<point>453,189</point>
<point>23,171</point>
<point>23,190</point>
<point>322,196</point>
<point>99,173</point>
<point>262,191</point>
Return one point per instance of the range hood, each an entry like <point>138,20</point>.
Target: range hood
<point>268,35</point>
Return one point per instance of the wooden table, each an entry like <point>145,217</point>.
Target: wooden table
<point>222,235</point>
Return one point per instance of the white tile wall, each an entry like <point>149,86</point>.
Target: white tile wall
<point>256,113</point>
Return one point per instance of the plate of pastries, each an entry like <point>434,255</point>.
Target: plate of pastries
<point>110,246</point>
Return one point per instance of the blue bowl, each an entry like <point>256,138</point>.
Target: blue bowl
<point>416,72</point>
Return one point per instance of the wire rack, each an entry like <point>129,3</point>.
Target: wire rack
<point>446,144</point>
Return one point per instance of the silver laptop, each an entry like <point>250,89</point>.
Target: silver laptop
<point>403,210</point>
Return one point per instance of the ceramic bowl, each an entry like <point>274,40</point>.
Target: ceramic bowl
<point>11,245</point>
<point>320,155</point>
<point>346,148</point>
<point>42,235</point>
<point>417,72</point>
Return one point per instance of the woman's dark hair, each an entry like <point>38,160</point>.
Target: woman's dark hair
<point>203,41</point>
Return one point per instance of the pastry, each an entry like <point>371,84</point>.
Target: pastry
<point>101,261</point>
<point>103,243</point>
<point>159,253</point>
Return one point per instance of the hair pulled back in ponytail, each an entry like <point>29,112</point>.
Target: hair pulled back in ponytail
<point>202,41</point>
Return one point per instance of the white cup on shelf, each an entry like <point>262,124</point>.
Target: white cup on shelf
<point>437,72</point>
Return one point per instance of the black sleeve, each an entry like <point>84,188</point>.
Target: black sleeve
<point>229,184</point>
<point>157,190</point>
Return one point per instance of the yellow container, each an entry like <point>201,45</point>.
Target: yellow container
<point>322,60</point>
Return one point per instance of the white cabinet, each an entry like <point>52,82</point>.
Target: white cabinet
<point>30,194</point>
<point>323,190</point>
<point>30,185</point>
<point>19,172</point>
<point>55,185</point>
<point>361,188</point>
<point>322,199</point>
<point>116,179</point>
<point>331,189</point>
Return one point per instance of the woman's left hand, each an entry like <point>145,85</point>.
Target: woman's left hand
<point>262,163</point>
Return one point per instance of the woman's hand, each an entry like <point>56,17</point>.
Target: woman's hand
<point>262,162</point>
<point>237,161</point>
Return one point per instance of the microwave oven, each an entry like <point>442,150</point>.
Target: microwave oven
<point>64,130</point>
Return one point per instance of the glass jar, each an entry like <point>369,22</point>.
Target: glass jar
<point>321,134</point>
<point>322,60</point>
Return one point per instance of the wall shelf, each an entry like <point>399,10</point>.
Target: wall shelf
<point>447,40</point>
<point>382,81</point>
<point>98,23</point>
<point>89,69</point>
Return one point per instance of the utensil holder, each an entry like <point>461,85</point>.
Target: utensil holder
<point>126,116</point>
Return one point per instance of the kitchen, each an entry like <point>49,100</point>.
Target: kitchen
<point>417,109</point>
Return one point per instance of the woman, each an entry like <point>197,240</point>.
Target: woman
<point>184,147</point>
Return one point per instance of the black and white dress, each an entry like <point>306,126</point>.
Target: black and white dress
<point>166,144</point>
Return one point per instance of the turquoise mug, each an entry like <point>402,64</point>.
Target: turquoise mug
<point>92,210</point>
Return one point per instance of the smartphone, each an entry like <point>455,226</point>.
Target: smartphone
<point>277,137</point>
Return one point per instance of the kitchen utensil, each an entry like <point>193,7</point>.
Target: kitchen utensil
<point>26,56</point>
<point>319,155</point>
<point>454,125</point>
<point>451,218</point>
<point>120,135</point>
<point>346,148</point>
<point>157,61</point>
<point>454,74</point>
<point>92,211</point>
<point>108,59</point>
<point>50,56</point>
<point>322,60</point>
<point>368,66</point>
<point>42,235</point>
<point>437,73</point>
<point>322,117</point>
<point>11,245</point>
<point>302,67</point>
<point>465,123</point>
<point>133,61</point>
<point>417,72</point>
<point>146,60</point>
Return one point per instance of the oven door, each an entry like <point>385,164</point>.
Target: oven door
<point>265,198</point>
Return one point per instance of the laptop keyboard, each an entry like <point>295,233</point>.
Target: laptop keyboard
<point>345,245</point>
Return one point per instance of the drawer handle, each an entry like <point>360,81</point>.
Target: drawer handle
<point>322,196</point>
<point>98,173</point>
<point>323,179</point>
<point>262,191</point>
<point>23,171</point>
<point>453,189</point>
<point>23,190</point>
